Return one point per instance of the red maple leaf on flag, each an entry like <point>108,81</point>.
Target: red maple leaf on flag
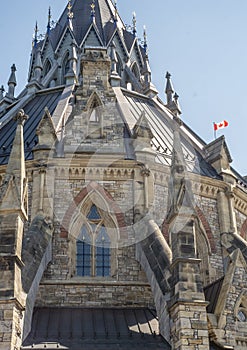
<point>220,125</point>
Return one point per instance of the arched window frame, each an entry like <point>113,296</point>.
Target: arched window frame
<point>119,65</point>
<point>240,310</point>
<point>203,251</point>
<point>135,70</point>
<point>65,66</point>
<point>95,120</point>
<point>107,221</point>
<point>47,67</point>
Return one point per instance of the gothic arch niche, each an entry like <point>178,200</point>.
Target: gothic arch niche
<point>65,67</point>
<point>135,70</point>
<point>119,65</point>
<point>95,119</point>
<point>94,237</point>
<point>203,250</point>
<point>47,67</point>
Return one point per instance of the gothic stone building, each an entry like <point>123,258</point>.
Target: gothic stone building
<point>119,227</point>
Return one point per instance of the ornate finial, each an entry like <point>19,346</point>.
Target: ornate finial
<point>169,90</point>
<point>49,21</point>
<point>12,79</point>
<point>93,9</point>
<point>70,14</point>
<point>21,117</point>
<point>35,39</point>
<point>134,23</point>
<point>145,45</point>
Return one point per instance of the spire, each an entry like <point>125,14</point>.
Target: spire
<point>71,74</point>
<point>70,14</point>
<point>35,39</point>
<point>93,10</point>
<point>147,70</point>
<point>169,89</point>
<point>145,45</point>
<point>134,23</point>
<point>176,102</point>
<point>149,89</point>
<point>115,11</point>
<point>38,66</point>
<point>49,21</point>
<point>12,83</point>
<point>172,100</point>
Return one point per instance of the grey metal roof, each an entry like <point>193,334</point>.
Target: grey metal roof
<point>104,20</point>
<point>162,128</point>
<point>35,110</point>
<point>84,328</point>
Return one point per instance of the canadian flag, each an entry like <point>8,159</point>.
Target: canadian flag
<point>220,125</point>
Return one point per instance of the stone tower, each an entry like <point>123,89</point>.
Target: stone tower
<point>119,226</point>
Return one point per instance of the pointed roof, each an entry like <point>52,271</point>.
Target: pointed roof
<point>104,19</point>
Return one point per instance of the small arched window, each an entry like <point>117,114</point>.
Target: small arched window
<point>93,247</point>
<point>66,66</point>
<point>119,65</point>
<point>47,67</point>
<point>135,70</point>
<point>95,113</point>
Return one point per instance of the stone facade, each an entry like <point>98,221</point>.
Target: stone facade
<point>176,233</point>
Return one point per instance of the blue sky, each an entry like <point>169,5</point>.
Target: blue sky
<point>203,44</point>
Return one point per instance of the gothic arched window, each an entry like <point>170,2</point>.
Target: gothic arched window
<point>47,67</point>
<point>93,245</point>
<point>119,65</point>
<point>135,70</point>
<point>66,66</point>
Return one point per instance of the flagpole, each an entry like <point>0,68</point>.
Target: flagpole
<point>214,131</point>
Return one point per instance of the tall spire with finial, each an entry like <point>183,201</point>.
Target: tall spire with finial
<point>145,44</point>
<point>38,66</point>
<point>49,21</point>
<point>172,100</point>
<point>93,11</point>
<point>12,83</point>
<point>134,23</point>
<point>70,14</point>
<point>150,89</point>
